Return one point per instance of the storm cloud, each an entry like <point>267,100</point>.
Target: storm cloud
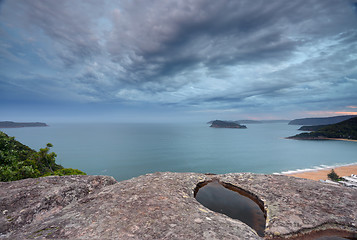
<point>202,55</point>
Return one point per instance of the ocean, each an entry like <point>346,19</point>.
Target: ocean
<point>126,150</point>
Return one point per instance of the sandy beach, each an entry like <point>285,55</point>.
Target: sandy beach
<point>322,174</point>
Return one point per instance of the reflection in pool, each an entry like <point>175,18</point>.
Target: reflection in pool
<point>233,202</point>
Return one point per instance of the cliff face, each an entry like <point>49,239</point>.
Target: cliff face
<point>162,206</point>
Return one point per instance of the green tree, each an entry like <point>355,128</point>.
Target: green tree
<point>46,160</point>
<point>333,175</point>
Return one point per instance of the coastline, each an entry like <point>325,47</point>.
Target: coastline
<point>321,138</point>
<point>342,139</point>
<point>321,174</point>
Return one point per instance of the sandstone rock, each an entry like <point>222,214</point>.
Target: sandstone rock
<point>162,206</point>
<point>33,200</point>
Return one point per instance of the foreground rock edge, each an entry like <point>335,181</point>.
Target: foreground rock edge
<point>162,205</point>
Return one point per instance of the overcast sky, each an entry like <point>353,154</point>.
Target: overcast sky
<point>183,60</point>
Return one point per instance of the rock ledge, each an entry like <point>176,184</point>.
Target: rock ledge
<point>162,206</point>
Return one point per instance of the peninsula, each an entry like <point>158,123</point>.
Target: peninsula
<point>9,124</point>
<point>345,130</point>
<point>226,124</point>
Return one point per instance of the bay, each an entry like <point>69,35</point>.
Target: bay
<point>126,150</point>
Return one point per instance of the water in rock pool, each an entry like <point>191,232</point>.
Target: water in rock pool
<point>220,199</point>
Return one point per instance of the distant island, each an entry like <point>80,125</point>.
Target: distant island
<point>260,121</point>
<point>320,121</point>
<point>345,130</point>
<point>226,124</point>
<point>248,121</point>
<point>9,124</point>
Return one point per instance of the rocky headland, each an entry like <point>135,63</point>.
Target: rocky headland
<point>162,206</point>
<point>9,124</point>
<point>345,130</point>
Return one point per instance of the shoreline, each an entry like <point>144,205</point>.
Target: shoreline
<point>321,174</point>
<point>321,138</point>
<point>342,139</point>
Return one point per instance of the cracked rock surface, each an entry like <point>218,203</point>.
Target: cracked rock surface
<point>162,206</point>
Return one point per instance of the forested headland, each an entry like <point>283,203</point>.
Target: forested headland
<point>342,130</point>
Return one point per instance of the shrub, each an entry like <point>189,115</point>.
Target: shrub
<point>333,175</point>
<point>67,171</point>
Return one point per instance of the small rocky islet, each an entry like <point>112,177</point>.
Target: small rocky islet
<point>226,124</point>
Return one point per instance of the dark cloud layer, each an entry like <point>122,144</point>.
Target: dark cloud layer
<point>203,55</point>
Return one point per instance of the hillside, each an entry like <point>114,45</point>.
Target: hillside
<point>343,130</point>
<point>9,124</point>
<point>311,128</point>
<point>320,121</point>
<point>18,161</point>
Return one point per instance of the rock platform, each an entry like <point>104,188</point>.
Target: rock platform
<point>162,206</point>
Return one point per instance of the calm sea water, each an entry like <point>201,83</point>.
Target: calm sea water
<point>129,150</point>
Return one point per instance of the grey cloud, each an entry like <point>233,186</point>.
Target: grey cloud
<point>236,31</point>
<point>70,32</point>
<point>172,52</point>
<point>226,38</point>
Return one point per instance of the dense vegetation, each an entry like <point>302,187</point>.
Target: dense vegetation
<point>312,128</point>
<point>18,161</point>
<point>345,130</point>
